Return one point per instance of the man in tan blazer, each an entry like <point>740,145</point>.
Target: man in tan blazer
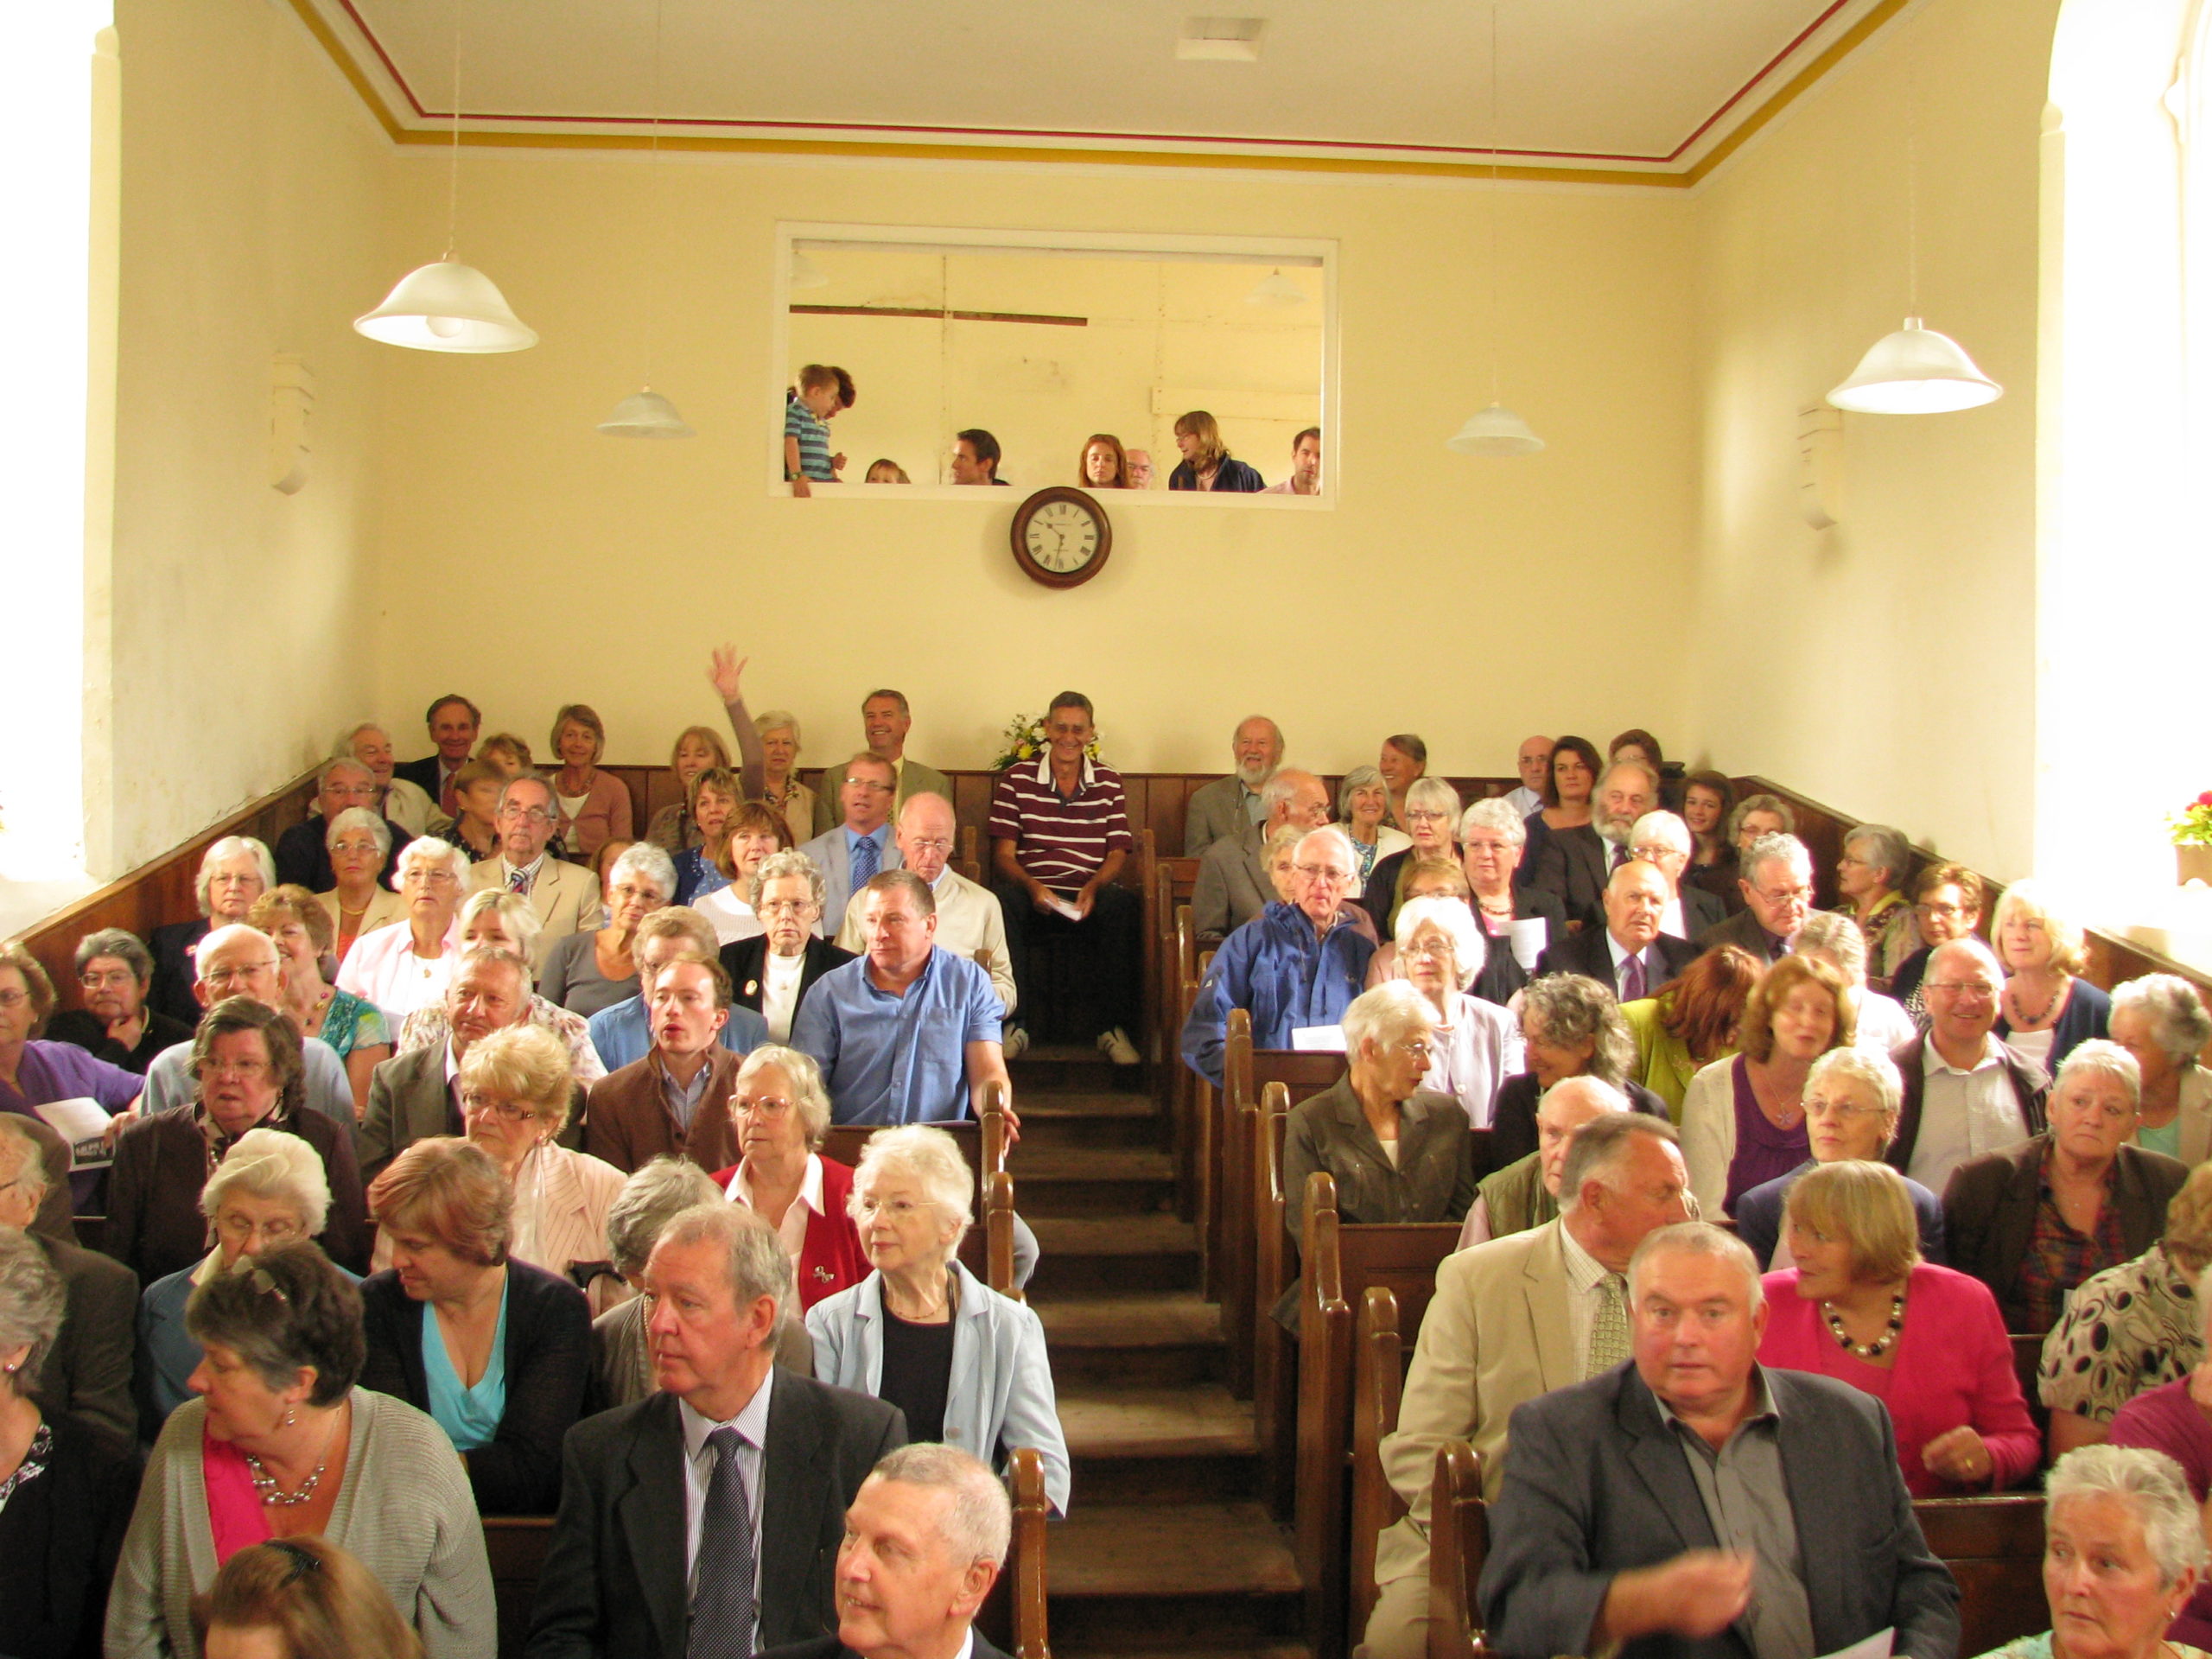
<point>677,1099</point>
<point>1512,1319</point>
<point>886,720</point>
<point>565,896</point>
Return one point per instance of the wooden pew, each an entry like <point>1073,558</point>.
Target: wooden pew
<point>988,1250</point>
<point>1993,1546</point>
<point>1235,1112</point>
<point>1013,1615</point>
<point>1378,1376</point>
<point>1275,1351</point>
<point>516,1545</point>
<point>1458,1543</point>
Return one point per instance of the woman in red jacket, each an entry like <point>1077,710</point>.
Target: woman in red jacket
<point>781,1111</point>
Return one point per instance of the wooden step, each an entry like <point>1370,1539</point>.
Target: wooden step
<point>1085,1118</point>
<point>1072,1067</point>
<point>1092,1180</point>
<point>1159,1445</point>
<point>1161,1339</point>
<point>1210,1577</point>
<point>1093,1255</point>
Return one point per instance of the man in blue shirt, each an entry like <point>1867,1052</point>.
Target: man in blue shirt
<point>851,854</point>
<point>623,1033</point>
<point>909,1033</point>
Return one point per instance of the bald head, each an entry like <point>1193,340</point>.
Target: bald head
<point>926,832</point>
<point>1297,798</point>
<point>1534,763</point>
<point>1635,898</point>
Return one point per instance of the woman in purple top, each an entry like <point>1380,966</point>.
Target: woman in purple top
<point>2176,1418</point>
<point>1743,1118</point>
<point>34,1074</point>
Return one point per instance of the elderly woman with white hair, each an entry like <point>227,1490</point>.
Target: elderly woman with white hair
<point>64,1490</point>
<point>1474,1045</point>
<point>1431,818</point>
<point>2123,1560</point>
<point>270,1189</point>
<point>1869,877</point>
<point>2161,1020</point>
<point>2047,1007</point>
<point>2034,1221</point>
<point>772,971</point>
<point>966,1364</point>
<point>1881,1024</point>
<point>233,873</point>
<point>586,972</point>
<point>358,843</point>
<point>1852,1099</point>
<point>781,1109</point>
<point>405,966</point>
<point>1492,837</point>
<point>1363,813</point>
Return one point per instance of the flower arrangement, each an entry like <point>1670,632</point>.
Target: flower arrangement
<point>2194,826</point>
<point>1024,740</point>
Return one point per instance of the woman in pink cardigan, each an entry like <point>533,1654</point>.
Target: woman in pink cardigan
<point>1862,1308</point>
<point>594,805</point>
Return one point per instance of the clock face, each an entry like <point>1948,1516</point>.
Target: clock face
<point>1062,537</point>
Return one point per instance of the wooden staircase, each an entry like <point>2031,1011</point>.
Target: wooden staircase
<point>1169,1551</point>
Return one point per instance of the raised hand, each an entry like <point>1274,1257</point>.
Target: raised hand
<point>727,673</point>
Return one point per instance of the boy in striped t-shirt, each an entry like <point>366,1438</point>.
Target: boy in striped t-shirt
<point>806,429</point>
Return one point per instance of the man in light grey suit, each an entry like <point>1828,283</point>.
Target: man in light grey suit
<point>1514,1319</point>
<point>565,896</point>
<point>1234,885</point>
<point>862,839</point>
<point>1693,1504</point>
<point>411,1095</point>
<point>885,721</point>
<point>1230,807</point>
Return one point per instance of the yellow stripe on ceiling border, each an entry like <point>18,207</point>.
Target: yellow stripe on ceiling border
<point>702,143</point>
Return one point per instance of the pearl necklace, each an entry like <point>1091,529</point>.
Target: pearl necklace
<point>264,1484</point>
<point>1881,1344</point>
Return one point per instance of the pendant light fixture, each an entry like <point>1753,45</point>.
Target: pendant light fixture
<point>1915,370</point>
<point>1496,431</point>
<point>805,273</point>
<point>644,413</point>
<point>447,305</point>
<point>1276,290</point>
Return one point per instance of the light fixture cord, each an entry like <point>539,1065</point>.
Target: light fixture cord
<point>453,179</point>
<point>1912,174</point>
<point>1497,330</point>
<point>659,202</point>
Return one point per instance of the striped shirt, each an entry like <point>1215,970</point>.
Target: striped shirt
<point>813,435</point>
<point>1060,842</point>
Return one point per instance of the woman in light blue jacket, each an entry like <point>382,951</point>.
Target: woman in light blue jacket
<point>966,1364</point>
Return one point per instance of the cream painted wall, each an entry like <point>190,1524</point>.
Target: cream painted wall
<point>252,223</point>
<point>1885,667</point>
<point>530,560</point>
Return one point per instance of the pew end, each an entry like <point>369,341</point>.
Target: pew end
<point>1459,1541</point>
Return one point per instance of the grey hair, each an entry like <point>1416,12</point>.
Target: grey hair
<point>1285,841</point>
<point>1771,804</point>
<point>343,748</point>
<point>1768,849</point>
<point>1494,812</point>
<point>1695,1238</point>
<point>1570,1007</point>
<point>1837,937</point>
<point>1605,1095</point>
<point>775,719</point>
<point>1599,1146</point>
<point>1282,785</point>
<point>216,940</point>
<point>1888,850</point>
<point>2152,1484</point>
<point>2108,1058</point>
<point>755,1264</point>
<point>129,950</point>
<point>29,1164</point>
<point>1337,840</point>
<point>1662,826</point>
<point>977,1520</point>
<point>230,847</point>
<point>808,1094</point>
<point>431,850</point>
<point>656,1193</point>
<point>32,1301</point>
<point>342,763</point>
<point>527,775</point>
<point>2179,1023</point>
<point>642,858</point>
<point>1650,774</point>
<point>1385,1014</point>
<point>1433,792</point>
<point>359,818</point>
<point>1877,1072</point>
<point>1357,777</point>
<point>514,910</point>
<point>274,1165</point>
<point>1468,948</point>
<point>789,862</point>
<point>931,1156</point>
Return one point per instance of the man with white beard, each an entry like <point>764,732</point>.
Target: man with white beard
<point>1232,806</point>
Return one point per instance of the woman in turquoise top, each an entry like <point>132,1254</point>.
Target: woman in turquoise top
<point>497,1351</point>
<point>2160,1020</point>
<point>296,919</point>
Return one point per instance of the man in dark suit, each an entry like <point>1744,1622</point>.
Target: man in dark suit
<point>1234,885</point>
<point>454,721</point>
<point>302,852</point>
<point>411,1095</point>
<point>1629,954</point>
<point>1777,887</point>
<point>1576,863</point>
<point>1691,1504</point>
<point>717,1504</point>
<point>923,1543</point>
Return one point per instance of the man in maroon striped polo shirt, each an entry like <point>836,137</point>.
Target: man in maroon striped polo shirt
<point>1059,834</point>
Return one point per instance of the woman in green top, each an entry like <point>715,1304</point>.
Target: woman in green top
<point>1691,1022</point>
<point>2160,1020</point>
<point>355,1027</point>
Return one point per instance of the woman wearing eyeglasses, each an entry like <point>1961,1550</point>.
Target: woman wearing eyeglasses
<point>772,972</point>
<point>1431,818</point>
<point>782,1113</point>
<point>405,966</point>
<point>34,1073</point>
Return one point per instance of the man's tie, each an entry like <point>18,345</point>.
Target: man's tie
<point>1608,1330</point>
<point>866,859</point>
<point>1632,978</point>
<point>1620,856</point>
<point>448,803</point>
<point>722,1607</point>
<point>518,881</point>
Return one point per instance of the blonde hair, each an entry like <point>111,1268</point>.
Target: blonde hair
<point>1868,1207</point>
<point>2069,953</point>
<point>453,1190</point>
<point>2188,1222</point>
<point>527,1062</point>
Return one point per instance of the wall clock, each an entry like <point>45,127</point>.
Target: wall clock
<point>1061,536</point>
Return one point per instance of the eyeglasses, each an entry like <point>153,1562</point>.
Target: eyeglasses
<point>897,1209</point>
<point>1943,912</point>
<point>1816,1107</point>
<point>226,972</point>
<point>1784,895</point>
<point>528,814</point>
<point>1652,851</point>
<point>211,1068</point>
<point>1428,818</point>
<point>650,896</point>
<point>475,1103</point>
<point>1966,990</point>
<point>1414,1048</point>
<point>930,846</point>
<point>94,980</point>
<point>1427,950</point>
<point>787,906</point>
<point>14,998</point>
<point>766,1106</point>
<point>867,788</point>
<point>1323,873</point>
<point>239,1231</point>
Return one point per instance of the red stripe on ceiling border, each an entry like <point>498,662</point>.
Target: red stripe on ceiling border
<point>391,69</point>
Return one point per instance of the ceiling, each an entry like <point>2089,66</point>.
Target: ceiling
<point>1607,91</point>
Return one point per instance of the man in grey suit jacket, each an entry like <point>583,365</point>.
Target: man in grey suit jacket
<point>627,1571</point>
<point>1512,1319</point>
<point>1233,884</point>
<point>885,721</point>
<point>411,1095</point>
<point>864,797</point>
<point>1692,1504</point>
<point>1231,806</point>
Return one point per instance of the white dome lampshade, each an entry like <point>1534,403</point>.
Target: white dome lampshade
<point>1915,372</point>
<point>805,273</point>
<point>1495,431</point>
<point>446,307</point>
<point>1276,290</point>
<point>645,414</point>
